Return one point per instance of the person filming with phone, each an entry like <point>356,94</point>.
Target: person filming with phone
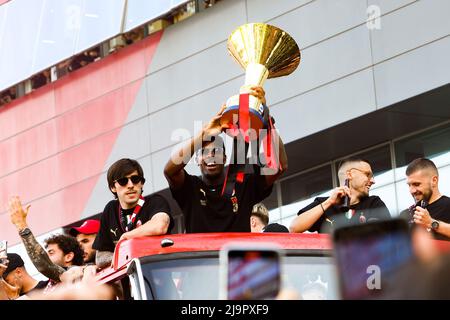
<point>431,209</point>
<point>349,203</point>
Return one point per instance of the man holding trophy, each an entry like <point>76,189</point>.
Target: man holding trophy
<point>222,200</point>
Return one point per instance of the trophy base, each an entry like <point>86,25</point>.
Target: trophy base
<point>231,115</point>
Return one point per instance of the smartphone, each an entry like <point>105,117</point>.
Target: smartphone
<point>370,256</point>
<point>250,272</point>
<point>412,209</point>
<point>3,251</point>
<point>346,200</point>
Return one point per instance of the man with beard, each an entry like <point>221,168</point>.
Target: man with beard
<point>85,235</point>
<point>432,210</point>
<point>325,214</point>
<point>204,206</point>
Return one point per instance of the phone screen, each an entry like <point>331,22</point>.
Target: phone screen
<point>253,274</point>
<point>369,256</point>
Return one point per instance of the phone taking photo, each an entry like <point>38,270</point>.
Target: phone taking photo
<point>250,272</point>
<point>370,256</point>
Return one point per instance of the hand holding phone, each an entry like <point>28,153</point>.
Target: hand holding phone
<point>250,272</point>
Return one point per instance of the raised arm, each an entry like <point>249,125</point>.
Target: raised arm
<point>37,254</point>
<point>173,170</point>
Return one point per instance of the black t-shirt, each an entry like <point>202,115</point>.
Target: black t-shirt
<point>367,209</point>
<point>205,210</point>
<point>439,210</point>
<point>39,285</point>
<point>111,227</point>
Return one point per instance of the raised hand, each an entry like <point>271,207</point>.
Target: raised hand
<point>17,214</point>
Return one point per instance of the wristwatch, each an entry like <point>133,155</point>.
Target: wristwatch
<point>434,225</point>
<point>24,232</point>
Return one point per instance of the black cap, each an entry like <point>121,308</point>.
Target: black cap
<point>15,261</point>
<point>275,227</point>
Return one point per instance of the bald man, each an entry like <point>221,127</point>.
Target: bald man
<point>324,214</point>
<point>434,213</point>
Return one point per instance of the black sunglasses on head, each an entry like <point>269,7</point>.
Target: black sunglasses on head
<point>134,179</point>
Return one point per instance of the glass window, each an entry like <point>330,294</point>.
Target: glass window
<point>142,11</point>
<point>387,194</point>
<point>306,185</point>
<point>444,180</point>
<point>2,20</point>
<point>271,202</point>
<point>100,20</point>
<point>430,144</point>
<point>298,191</point>
<point>58,31</point>
<point>18,42</point>
<point>198,278</point>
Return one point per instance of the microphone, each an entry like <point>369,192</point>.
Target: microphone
<point>423,204</point>
<point>346,201</point>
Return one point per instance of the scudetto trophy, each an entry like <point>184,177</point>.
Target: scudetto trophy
<point>264,51</point>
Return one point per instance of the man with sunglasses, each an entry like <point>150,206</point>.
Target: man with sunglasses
<point>131,215</point>
<point>205,207</point>
<point>325,214</point>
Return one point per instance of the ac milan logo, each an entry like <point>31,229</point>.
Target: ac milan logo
<point>362,218</point>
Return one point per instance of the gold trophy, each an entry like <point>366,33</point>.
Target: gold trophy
<point>264,51</point>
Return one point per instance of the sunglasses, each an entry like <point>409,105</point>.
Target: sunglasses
<point>134,179</point>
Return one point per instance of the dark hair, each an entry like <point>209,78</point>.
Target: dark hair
<point>67,244</point>
<point>421,164</point>
<point>120,169</point>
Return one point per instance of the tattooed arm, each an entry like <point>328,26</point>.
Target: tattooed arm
<point>103,259</point>
<point>35,251</point>
<point>40,258</point>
